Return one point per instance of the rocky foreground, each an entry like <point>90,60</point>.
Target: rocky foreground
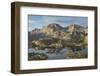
<point>55,36</point>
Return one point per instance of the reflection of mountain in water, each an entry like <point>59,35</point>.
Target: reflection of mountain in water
<point>55,38</point>
<point>61,54</point>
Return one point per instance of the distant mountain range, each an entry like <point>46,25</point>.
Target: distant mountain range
<point>57,27</point>
<point>57,31</point>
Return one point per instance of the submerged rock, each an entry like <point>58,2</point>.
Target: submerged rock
<point>38,56</point>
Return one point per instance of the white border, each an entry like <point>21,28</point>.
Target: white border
<point>25,64</point>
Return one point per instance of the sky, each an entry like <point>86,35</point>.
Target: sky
<point>40,21</point>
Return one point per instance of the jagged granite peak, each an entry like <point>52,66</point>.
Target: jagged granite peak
<point>54,25</point>
<point>35,30</point>
<point>75,27</point>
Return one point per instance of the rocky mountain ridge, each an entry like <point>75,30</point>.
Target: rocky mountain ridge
<point>73,33</point>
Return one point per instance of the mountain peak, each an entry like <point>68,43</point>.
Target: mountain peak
<point>54,25</point>
<point>75,26</point>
